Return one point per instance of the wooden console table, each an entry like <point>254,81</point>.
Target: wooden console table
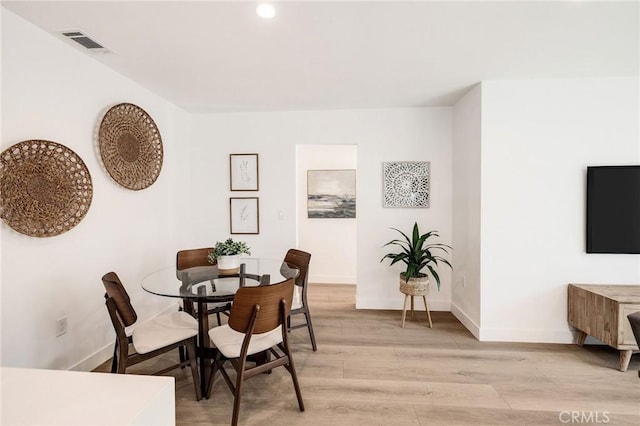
<point>601,311</point>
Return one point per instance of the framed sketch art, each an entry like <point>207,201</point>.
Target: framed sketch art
<point>406,183</point>
<point>244,172</point>
<point>244,215</point>
<point>331,194</point>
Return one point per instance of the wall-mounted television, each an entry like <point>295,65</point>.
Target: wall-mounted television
<point>613,209</point>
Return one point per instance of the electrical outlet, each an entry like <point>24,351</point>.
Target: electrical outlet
<point>461,281</point>
<point>61,326</point>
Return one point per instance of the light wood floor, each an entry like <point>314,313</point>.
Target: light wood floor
<point>369,371</point>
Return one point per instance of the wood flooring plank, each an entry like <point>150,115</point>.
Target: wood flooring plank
<point>429,415</point>
<point>405,392</point>
<point>450,370</point>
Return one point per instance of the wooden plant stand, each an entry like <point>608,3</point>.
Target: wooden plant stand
<point>415,287</point>
<point>404,309</point>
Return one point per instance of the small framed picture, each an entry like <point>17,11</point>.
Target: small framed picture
<point>244,172</point>
<point>331,194</point>
<point>244,213</point>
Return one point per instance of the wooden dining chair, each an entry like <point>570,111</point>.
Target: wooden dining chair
<point>257,324</point>
<point>150,338</point>
<point>300,305</point>
<point>199,257</point>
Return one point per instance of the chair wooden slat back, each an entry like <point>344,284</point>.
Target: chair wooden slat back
<point>301,260</point>
<point>268,297</point>
<point>192,258</point>
<point>117,293</point>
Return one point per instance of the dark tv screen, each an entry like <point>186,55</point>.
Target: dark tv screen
<point>613,209</point>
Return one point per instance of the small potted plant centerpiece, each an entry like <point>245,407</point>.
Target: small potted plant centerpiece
<point>418,256</point>
<point>227,255</point>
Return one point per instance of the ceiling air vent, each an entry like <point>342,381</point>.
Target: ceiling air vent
<point>84,40</point>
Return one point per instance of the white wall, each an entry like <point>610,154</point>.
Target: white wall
<point>465,294</point>
<point>538,137</point>
<point>52,91</point>
<point>381,135</point>
<point>330,262</point>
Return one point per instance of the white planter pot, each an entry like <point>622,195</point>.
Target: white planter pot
<point>229,264</point>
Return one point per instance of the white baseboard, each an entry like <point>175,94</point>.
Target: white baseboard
<point>103,354</point>
<point>466,321</point>
<point>95,359</point>
<point>332,279</point>
<point>527,335</point>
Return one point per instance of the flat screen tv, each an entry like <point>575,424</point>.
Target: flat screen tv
<point>613,209</point>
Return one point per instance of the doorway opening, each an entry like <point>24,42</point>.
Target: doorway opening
<point>332,238</point>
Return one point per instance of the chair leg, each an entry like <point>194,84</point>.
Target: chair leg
<point>218,316</point>
<point>291,368</point>
<point>212,377</point>
<point>296,385</point>
<point>182,355</point>
<point>123,354</point>
<point>191,351</point>
<point>310,327</point>
<point>236,397</point>
<point>114,360</point>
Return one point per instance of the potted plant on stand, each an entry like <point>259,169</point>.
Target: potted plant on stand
<point>418,255</point>
<point>227,255</point>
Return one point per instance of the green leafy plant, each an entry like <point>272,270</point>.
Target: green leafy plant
<point>417,254</point>
<point>228,248</point>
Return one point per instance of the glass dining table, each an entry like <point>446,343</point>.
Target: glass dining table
<point>205,284</point>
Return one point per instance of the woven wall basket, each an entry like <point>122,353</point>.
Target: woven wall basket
<point>130,146</point>
<point>45,188</point>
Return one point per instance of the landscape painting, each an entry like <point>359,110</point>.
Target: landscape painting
<point>331,194</point>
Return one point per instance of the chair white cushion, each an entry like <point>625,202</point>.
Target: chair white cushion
<point>296,302</point>
<point>229,341</point>
<point>163,331</point>
<point>128,331</point>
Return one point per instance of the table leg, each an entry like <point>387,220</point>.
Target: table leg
<point>203,346</point>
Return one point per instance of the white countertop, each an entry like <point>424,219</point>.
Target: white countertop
<point>54,397</point>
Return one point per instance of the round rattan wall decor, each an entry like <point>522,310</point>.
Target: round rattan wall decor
<point>45,188</point>
<point>130,146</point>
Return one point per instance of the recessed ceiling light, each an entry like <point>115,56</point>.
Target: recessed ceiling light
<point>266,11</point>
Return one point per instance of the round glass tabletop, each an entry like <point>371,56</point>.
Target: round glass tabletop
<point>206,283</point>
